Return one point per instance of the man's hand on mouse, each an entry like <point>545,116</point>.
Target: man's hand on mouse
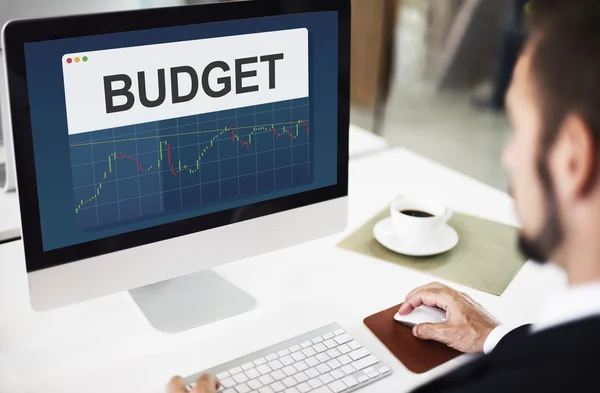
<point>204,384</point>
<point>467,324</point>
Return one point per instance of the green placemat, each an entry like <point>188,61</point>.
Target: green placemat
<point>486,257</point>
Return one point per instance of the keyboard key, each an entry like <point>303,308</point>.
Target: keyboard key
<point>323,368</point>
<point>320,348</point>
<point>255,384</point>
<point>306,344</point>
<point>343,339</point>
<point>323,357</point>
<point>247,366</point>
<point>264,369</point>
<point>272,357</point>
<point>344,349</point>
<point>266,389</point>
<point>230,390</point>
<point>312,361</point>
<point>243,388</point>
<point>223,375</point>
<point>278,387</point>
<point>359,354</point>
<point>275,364</point>
<point>228,382</point>
<point>362,378</point>
<point>266,380</point>
<point>350,381</point>
<point>317,340</point>
<point>287,360</point>
<point>301,377</point>
<point>348,369</point>
<point>240,378</point>
<point>304,387</point>
<point>289,382</point>
<point>327,378</point>
<point>284,352</point>
<point>383,370</point>
<point>297,356</point>
<point>315,383</point>
<point>295,348</point>
<point>365,362</point>
<point>339,332</point>
<point>301,365</point>
<point>322,389</point>
<point>327,336</point>
<point>334,364</point>
<point>235,370</point>
<point>260,361</point>
<point>289,370</point>
<point>313,373</point>
<point>338,374</point>
<point>330,344</point>
<point>345,359</point>
<point>278,375</point>
<point>368,370</point>
<point>374,374</point>
<point>354,345</point>
<point>308,352</point>
<point>337,386</point>
<point>292,390</point>
<point>333,353</point>
<point>252,374</point>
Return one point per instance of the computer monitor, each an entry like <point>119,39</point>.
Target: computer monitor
<point>154,144</point>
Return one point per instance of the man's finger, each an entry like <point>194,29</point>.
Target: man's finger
<point>431,331</point>
<point>431,285</point>
<point>433,297</point>
<point>206,384</point>
<point>176,385</point>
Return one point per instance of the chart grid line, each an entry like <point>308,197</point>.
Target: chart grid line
<point>133,172</point>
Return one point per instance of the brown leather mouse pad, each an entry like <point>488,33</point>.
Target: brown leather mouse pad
<point>417,355</point>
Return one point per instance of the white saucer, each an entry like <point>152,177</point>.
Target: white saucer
<point>444,240</point>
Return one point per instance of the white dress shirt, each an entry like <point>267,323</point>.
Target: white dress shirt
<point>573,304</point>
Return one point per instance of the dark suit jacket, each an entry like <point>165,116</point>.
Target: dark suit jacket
<point>561,359</point>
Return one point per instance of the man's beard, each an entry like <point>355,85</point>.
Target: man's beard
<point>541,248</point>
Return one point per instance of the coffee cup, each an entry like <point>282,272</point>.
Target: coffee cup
<point>417,220</point>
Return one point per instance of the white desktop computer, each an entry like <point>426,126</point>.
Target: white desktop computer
<point>151,146</point>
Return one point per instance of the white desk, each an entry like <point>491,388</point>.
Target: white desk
<point>363,142</point>
<point>106,345</point>
<point>10,218</point>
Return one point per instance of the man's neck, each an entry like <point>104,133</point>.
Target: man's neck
<point>580,254</point>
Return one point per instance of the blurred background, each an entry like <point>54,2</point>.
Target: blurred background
<point>427,75</point>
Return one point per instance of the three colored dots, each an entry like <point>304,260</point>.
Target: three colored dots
<point>77,59</point>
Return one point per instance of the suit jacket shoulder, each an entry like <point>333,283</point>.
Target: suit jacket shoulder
<point>555,360</point>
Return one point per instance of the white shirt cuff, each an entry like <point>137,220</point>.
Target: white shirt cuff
<point>495,336</point>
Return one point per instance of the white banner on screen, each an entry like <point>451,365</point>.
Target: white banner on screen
<point>119,87</point>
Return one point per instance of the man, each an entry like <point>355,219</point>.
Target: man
<point>554,163</point>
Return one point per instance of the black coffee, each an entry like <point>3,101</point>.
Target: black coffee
<point>416,213</point>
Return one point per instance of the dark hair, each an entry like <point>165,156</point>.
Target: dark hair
<point>565,62</point>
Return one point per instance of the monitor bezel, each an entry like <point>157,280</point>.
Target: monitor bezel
<point>18,33</point>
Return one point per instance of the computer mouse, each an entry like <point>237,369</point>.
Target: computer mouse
<point>422,314</point>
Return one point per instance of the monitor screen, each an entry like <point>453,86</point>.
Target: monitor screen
<point>137,129</point>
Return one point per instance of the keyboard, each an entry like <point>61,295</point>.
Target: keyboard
<point>326,360</point>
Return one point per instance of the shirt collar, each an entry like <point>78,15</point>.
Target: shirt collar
<point>573,304</point>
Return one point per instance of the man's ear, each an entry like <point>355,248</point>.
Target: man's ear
<point>573,159</point>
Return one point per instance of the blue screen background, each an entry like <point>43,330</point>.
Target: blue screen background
<point>49,123</point>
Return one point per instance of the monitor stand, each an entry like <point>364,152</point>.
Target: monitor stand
<point>191,301</point>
